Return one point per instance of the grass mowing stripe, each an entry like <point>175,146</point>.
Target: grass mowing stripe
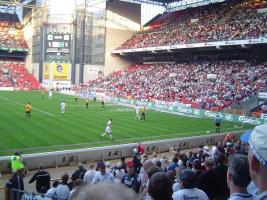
<point>37,109</point>
<point>84,126</point>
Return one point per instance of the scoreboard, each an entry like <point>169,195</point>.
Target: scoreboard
<point>58,46</point>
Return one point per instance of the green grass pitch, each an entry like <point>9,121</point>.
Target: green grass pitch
<point>48,130</point>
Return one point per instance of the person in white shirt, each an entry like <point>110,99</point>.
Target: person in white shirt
<point>103,175</point>
<point>63,107</point>
<point>50,94</point>
<point>108,130</point>
<point>137,112</point>
<point>188,187</point>
<point>52,191</point>
<point>238,177</point>
<point>89,175</point>
<point>63,190</point>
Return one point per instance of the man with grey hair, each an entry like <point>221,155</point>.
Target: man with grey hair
<point>238,177</point>
<point>257,158</point>
<point>106,191</point>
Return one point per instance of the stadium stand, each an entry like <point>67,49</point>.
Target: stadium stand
<point>231,20</point>
<point>207,85</point>
<point>14,74</point>
<point>11,34</point>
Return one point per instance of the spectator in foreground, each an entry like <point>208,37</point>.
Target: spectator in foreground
<point>131,179</point>
<point>90,174</point>
<point>79,173</point>
<point>52,191</point>
<point>207,179</point>
<point>222,190</point>
<point>14,186</point>
<point>42,179</point>
<point>188,187</point>
<point>238,177</point>
<point>106,191</point>
<point>102,175</point>
<point>63,190</point>
<point>160,187</point>
<point>257,158</point>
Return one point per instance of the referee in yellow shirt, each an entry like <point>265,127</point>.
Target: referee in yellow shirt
<point>28,109</point>
<point>143,113</point>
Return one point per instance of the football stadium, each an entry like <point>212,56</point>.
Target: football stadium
<point>133,99</point>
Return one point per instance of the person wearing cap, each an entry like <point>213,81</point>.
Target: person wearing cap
<point>102,175</point>
<point>257,158</point>
<point>188,187</point>
<point>16,162</point>
<point>131,179</point>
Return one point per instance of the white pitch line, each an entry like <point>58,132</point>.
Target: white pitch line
<point>34,108</point>
<point>120,140</point>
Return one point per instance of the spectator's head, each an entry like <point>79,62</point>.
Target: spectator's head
<point>221,159</point>
<point>175,159</point>
<point>151,171</point>
<point>158,164</point>
<point>65,178</point>
<point>80,166</point>
<point>257,157</point>
<point>209,162</point>
<point>55,183</point>
<point>101,166</point>
<point>92,166</point>
<point>171,175</point>
<point>41,167</point>
<point>160,187</point>
<point>196,164</point>
<point>148,164</point>
<point>130,167</point>
<point>238,172</point>
<point>187,179</point>
<point>106,191</point>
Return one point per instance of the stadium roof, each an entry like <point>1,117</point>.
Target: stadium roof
<point>172,5</point>
<point>17,3</point>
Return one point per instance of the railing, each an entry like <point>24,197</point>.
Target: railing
<point>14,194</point>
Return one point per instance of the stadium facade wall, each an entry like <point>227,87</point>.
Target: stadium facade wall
<point>91,72</point>
<point>64,158</point>
<point>27,30</point>
<point>123,21</point>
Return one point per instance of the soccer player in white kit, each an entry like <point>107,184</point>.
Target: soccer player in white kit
<point>50,94</point>
<point>108,130</point>
<point>63,107</point>
<point>137,110</point>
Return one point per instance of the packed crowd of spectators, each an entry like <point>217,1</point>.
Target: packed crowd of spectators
<point>228,170</point>
<point>207,85</point>
<point>16,75</point>
<point>11,34</point>
<point>231,20</point>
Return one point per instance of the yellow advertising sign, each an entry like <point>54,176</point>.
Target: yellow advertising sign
<point>60,71</point>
